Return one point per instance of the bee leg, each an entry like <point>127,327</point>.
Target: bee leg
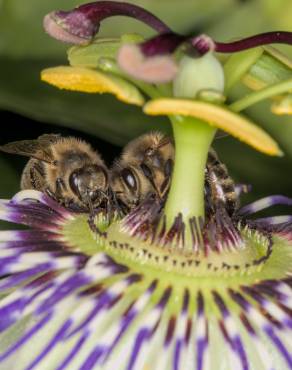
<point>51,194</point>
<point>116,205</point>
<point>60,186</point>
<point>93,226</point>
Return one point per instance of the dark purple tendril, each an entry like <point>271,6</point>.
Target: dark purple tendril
<point>83,24</point>
<point>84,21</point>
<point>167,43</point>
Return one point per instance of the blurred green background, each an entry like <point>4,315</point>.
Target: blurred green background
<point>29,108</point>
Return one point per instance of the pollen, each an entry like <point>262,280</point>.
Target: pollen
<point>92,81</point>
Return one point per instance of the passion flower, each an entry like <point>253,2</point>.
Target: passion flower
<point>177,283</point>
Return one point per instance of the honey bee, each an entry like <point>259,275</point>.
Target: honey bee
<point>67,169</point>
<point>219,186</point>
<point>144,167</point>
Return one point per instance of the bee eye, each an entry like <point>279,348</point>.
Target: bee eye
<point>129,179</point>
<point>74,182</point>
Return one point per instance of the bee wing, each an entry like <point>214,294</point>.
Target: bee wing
<point>48,139</point>
<point>38,149</point>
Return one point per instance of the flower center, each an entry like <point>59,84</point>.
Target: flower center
<point>250,258</point>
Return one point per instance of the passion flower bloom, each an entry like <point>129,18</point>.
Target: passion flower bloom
<point>74,300</point>
<point>175,284</point>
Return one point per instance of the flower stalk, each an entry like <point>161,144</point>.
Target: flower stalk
<point>193,138</point>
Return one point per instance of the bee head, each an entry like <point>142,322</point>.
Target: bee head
<point>125,182</point>
<point>89,183</point>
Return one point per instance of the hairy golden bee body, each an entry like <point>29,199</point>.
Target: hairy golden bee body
<point>219,184</point>
<point>68,169</point>
<point>144,167</point>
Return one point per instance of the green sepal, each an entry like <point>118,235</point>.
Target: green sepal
<point>89,55</point>
<point>271,68</point>
<point>238,64</point>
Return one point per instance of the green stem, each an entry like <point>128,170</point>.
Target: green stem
<point>193,138</point>
<point>257,96</point>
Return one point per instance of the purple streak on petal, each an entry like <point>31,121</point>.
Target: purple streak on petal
<point>116,268</point>
<point>170,331</point>
<point>10,313</point>
<point>274,220</point>
<point>143,335</point>
<point>29,246</point>
<point>239,299</point>
<point>145,332</point>
<point>275,37</point>
<point>220,303</point>
<point>27,336</point>
<point>202,344</point>
<point>176,355</point>
<point>69,286</point>
<point>165,297</point>
<point>83,22</point>
<point>128,317</point>
<point>269,287</point>
<point>34,236</point>
<point>74,352</point>
<point>162,44</point>
<point>17,278</point>
<point>37,210</point>
<point>239,348</point>
<point>200,304</point>
<point>29,219</point>
<point>92,359</point>
<point>52,204</point>
<point>104,300</point>
<point>6,261</point>
<point>279,345</point>
<point>182,341</point>
<point>57,338</point>
<point>264,203</point>
<point>186,301</point>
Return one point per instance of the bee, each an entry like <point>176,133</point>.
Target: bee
<point>219,186</point>
<point>144,168</point>
<point>67,169</point>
